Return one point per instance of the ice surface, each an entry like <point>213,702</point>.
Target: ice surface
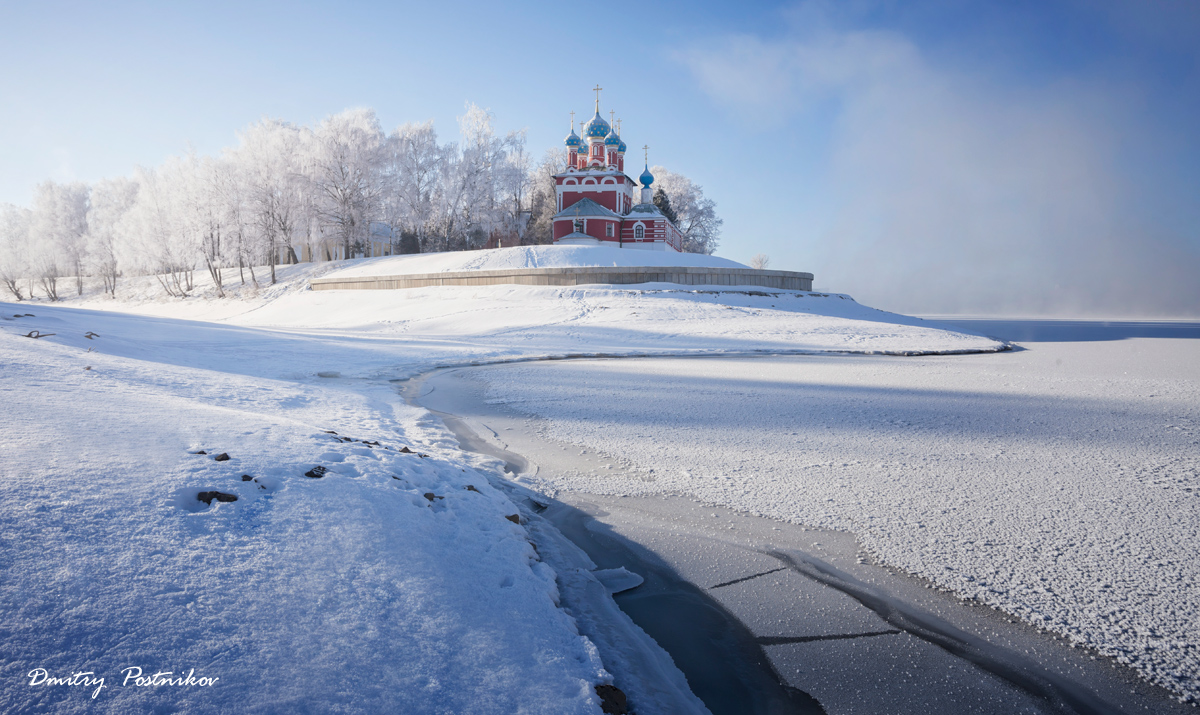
<point>1059,483</point>
<point>618,579</point>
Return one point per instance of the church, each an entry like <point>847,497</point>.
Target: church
<point>596,199</point>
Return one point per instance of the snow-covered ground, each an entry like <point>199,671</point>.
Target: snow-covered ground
<point>384,584</point>
<point>1060,483</point>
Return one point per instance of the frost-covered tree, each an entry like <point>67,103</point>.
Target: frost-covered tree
<point>412,173</point>
<point>543,199</point>
<point>111,200</point>
<point>58,234</point>
<point>513,183</point>
<point>215,203</point>
<point>760,261</point>
<point>161,240</point>
<point>270,161</point>
<point>347,158</point>
<point>695,215</point>
<point>283,187</point>
<point>14,248</point>
<point>484,183</point>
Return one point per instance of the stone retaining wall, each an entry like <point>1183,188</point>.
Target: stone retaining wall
<point>577,275</point>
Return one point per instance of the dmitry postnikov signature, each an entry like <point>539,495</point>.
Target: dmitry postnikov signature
<point>133,677</point>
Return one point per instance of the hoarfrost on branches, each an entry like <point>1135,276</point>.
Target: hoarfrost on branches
<point>696,214</point>
<point>288,193</point>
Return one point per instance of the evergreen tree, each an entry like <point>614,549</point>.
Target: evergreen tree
<point>663,202</point>
<point>409,242</point>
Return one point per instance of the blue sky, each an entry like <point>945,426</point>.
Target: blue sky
<point>938,156</point>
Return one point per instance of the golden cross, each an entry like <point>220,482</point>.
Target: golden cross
<point>572,122</point>
<point>610,116</point>
<point>597,89</point>
<point>647,148</point>
<point>618,127</point>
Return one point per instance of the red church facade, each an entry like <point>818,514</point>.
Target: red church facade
<point>596,200</point>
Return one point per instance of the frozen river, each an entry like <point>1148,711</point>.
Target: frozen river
<point>1058,484</point>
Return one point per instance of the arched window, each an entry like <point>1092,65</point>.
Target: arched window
<point>639,231</point>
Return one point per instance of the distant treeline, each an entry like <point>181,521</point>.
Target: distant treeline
<point>287,193</point>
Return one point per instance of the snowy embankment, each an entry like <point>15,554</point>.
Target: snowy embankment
<point>529,257</point>
<point>332,550</point>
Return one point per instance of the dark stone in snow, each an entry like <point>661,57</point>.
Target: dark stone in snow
<point>612,700</point>
<point>406,450</point>
<point>431,496</point>
<point>471,488</point>
<point>316,472</point>
<point>222,457</point>
<point>329,431</point>
<point>246,477</point>
<point>207,497</point>
<point>514,518</point>
<point>200,452</point>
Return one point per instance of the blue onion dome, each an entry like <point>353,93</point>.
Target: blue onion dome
<point>596,128</point>
<point>573,139</point>
<point>646,178</point>
<point>621,146</point>
<point>612,139</point>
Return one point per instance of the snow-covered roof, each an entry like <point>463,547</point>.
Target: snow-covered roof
<point>646,211</point>
<point>586,207</point>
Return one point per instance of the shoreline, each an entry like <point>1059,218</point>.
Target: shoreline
<point>971,650</point>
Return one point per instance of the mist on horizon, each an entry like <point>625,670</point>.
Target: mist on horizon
<point>962,188</point>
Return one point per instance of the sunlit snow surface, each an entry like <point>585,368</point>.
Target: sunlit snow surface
<point>350,592</point>
<point>1060,483</point>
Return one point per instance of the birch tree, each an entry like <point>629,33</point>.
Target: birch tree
<point>111,200</point>
<point>269,160</point>
<point>413,169</point>
<point>160,239</point>
<point>348,153</point>
<point>58,232</point>
<point>14,248</point>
